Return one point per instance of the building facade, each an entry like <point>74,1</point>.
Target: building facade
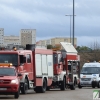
<point>14,40</point>
<point>48,42</point>
<point>27,36</point>
<point>1,36</point>
<point>44,42</point>
<point>56,41</point>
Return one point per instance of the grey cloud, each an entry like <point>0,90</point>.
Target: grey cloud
<point>48,17</point>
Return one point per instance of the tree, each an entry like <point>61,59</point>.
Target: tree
<point>83,49</point>
<point>49,46</point>
<point>57,47</point>
<point>92,54</point>
<point>95,46</point>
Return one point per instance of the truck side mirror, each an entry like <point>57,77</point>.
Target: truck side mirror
<point>63,54</point>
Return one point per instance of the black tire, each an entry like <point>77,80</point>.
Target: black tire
<point>79,86</point>
<point>24,89</point>
<point>63,84</point>
<point>72,87</point>
<point>48,88</point>
<point>44,87</point>
<point>98,85</point>
<point>41,89</point>
<point>75,82</point>
<point>37,89</point>
<point>16,95</point>
<point>93,86</point>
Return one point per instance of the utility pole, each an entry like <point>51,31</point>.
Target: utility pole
<point>70,26</point>
<point>73,22</point>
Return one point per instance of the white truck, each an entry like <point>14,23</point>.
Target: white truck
<point>90,75</point>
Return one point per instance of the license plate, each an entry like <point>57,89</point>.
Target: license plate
<point>85,82</point>
<point>54,79</point>
<point>3,88</point>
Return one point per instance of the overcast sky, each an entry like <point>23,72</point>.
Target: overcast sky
<point>49,20</point>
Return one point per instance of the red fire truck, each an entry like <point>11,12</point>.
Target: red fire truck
<point>42,68</point>
<point>66,67</point>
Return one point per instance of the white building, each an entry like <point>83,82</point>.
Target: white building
<point>44,42</point>
<point>56,41</point>
<point>11,39</point>
<point>48,42</point>
<point>28,36</point>
<point>1,36</point>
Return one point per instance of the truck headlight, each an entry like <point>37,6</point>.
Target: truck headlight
<point>14,81</point>
<point>94,79</point>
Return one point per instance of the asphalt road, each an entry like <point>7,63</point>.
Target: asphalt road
<point>77,94</point>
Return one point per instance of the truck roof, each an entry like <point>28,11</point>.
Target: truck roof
<point>92,64</point>
<point>69,48</point>
<point>37,50</point>
<point>15,52</point>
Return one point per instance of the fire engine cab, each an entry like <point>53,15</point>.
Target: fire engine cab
<point>9,81</point>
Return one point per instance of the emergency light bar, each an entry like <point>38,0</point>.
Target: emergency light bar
<point>6,64</point>
<point>14,48</point>
<point>93,61</point>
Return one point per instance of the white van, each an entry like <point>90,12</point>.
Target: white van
<point>90,75</point>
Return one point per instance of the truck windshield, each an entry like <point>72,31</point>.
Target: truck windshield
<point>90,70</point>
<point>7,72</point>
<point>9,58</point>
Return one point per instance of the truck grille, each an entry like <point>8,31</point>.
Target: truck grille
<point>85,79</point>
<point>5,81</point>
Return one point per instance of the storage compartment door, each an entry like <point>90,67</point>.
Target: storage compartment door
<point>50,65</point>
<point>38,62</point>
<point>44,65</point>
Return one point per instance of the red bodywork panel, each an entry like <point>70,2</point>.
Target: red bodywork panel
<point>71,57</point>
<point>5,82</point>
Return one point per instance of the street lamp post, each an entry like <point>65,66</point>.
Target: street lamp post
<point>70,25</point>
<point>73,22</point>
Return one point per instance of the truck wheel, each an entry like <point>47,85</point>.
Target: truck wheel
<point>16,95</point>
<point>72,87</point>
<point>75,82</point>
<point>79,86</point>
<point>98,85</point>
<point>44,87</point>
<point>48,88</point>
<point>63,84</point>
<point>93,86</point>
<point>37,89</point>
<point>41,89</point>
<point>24,89</point>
